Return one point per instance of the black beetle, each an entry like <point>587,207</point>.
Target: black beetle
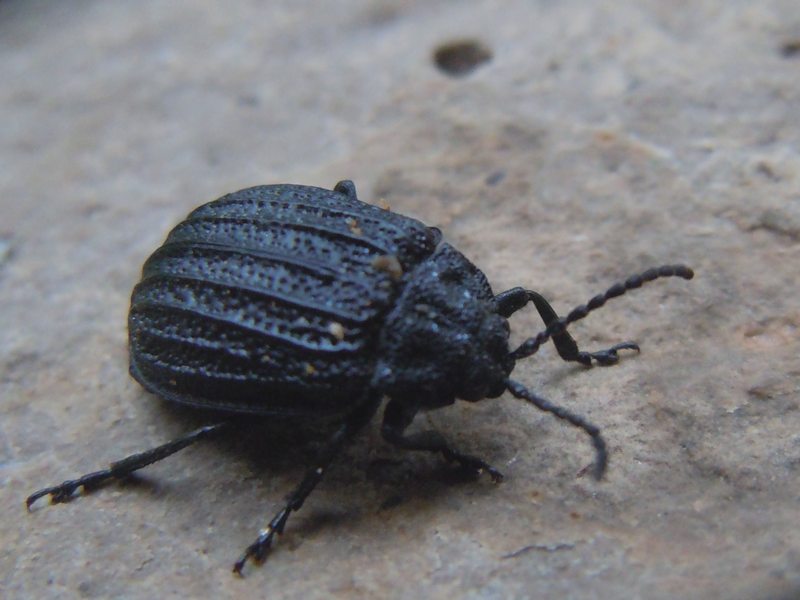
<point>286,300</point>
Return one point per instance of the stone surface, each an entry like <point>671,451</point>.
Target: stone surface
<point>599,139</point>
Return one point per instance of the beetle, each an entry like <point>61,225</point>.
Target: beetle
<point>291,300</point>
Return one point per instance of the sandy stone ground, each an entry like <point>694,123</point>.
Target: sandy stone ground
<point>592,140</point>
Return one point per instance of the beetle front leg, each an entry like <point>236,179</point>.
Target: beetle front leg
<point>511,301</point>
<point>355,421</point>
<point>396,418</point>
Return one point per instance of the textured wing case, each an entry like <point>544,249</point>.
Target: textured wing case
<point>270,300</point>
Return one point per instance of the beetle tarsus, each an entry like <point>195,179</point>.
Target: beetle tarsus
<point>397,417</point>
<point>64,492</point>
<point>472,464</point>
<point>57,494</point>
<point>608,357</point>
<point>257,551</point>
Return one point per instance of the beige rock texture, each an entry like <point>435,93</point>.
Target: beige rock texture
<point>561,146</point>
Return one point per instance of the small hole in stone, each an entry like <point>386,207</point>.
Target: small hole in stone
<point>790,49</point>
<point>461,57</point>
<point>495,177</point>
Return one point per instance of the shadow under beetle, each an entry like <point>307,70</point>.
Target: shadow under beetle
<point>286,300</point>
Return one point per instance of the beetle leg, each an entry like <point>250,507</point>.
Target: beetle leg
<point>122,468</point>
<point>511,301</point>
<point>346,187</point>
<point>396,418</point>
<point>354,422</point>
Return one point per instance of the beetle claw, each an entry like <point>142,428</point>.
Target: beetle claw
<point>257,551</point>
<point>58,494</point>
<point>476,466</point>
<point>496,475</point>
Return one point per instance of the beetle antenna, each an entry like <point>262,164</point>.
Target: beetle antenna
<point>531,345</point>
<point>520,391</point>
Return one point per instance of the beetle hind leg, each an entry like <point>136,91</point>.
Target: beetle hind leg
<point>395,420</point>
<point>122,468</point>
<point>346,187</point>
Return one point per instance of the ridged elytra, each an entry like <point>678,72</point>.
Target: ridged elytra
<point>291,300</point>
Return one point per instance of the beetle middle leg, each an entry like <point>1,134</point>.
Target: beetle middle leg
<point>511,301</point>
<point>354,422</point>
<point>396,418</point>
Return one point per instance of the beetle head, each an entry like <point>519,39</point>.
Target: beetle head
<point>444,339</point>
